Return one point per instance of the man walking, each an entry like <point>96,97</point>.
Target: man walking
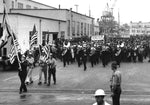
<point>115,84</point>
<point>43,65</point>
<point>51,69</point>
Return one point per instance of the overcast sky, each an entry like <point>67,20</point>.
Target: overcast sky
<point>130,10</point>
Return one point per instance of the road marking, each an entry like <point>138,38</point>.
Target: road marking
<point>10,78</point>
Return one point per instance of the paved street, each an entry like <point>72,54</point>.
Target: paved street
<point>75,86</point>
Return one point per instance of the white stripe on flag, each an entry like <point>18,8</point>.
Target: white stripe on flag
<point>12,54</point>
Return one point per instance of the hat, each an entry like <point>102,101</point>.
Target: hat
<point>50,54</point>
<point>99,92</point>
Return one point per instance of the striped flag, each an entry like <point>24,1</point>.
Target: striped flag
<point>12,54</point>
<point>33,37</point>
<point>15,41</point>
<point>45,50</point>
<point>6,30</point>
<point>14,49</point>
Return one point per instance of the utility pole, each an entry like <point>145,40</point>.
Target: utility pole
<point>118,22</point>
<point>76,7</point>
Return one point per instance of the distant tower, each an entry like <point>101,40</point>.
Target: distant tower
<point>107,20</point>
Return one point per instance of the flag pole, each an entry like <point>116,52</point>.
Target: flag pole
<point>13,39</point>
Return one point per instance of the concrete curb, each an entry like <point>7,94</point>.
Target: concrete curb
<point>76,91</point>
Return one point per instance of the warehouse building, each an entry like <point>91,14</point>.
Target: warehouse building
<point>50,22</point>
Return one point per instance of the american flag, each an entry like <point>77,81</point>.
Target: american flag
<point>33,37</point>
<point>12,54</point>
<point>6,30</point>
<point>15,41</point>
<point>14,49</point>
<point>45,50</point>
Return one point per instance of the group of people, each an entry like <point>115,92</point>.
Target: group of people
<point>135,49</point>
<point>117,51</point>
<point>26,65</point>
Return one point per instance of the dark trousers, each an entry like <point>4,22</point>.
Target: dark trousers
<point>52,71</point>
<point>78,61</point>
<point>92,60</point>
<point>116,96</point>
<point>64,61</point>
<point>84,62</point>
<point>22,77</point>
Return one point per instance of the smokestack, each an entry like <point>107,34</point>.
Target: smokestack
<point>59,6</point>
<point>89,11</point>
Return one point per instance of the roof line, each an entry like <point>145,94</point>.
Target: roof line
<point>35,16</point>
<point>56,9</point>
<point>42,4</point>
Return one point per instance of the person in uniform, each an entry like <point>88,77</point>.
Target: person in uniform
<point>64,56</point>
<point>92,54</point>
<point>78,55</point>
<point>104,56</point>
<point>118,56</point>
<point>30,61</point>
<point>99,97</point>
<point>43,65</point>
<point>115,84</point>
<point>84,57</point>
<point>51,69</point>
<point>22,73</point>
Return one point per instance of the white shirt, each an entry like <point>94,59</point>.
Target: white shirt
<point>105,103</point>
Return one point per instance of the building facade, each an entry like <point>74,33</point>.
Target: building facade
<point>50,23</point>
<point>139,28</point>
<point>24,4</point>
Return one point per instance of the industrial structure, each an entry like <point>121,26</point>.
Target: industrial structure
<point>107,25</point>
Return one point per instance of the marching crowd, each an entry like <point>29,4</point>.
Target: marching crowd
<point>118,50</point>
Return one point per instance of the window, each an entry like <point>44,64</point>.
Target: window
<point>138,31</point>
<point>13,4</point>
<point>20,6</point>
<point>28,7</point>
<point>81,29</point>
<point>84,28</point>
<point>78,26</point>
<point>73,28</point>
<point>35,7</point>
<point>133,31</point>
<point>68,27</point>
<point>88,29</point>
<point>92,29</point>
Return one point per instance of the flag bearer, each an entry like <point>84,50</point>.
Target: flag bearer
<point>22,74</point>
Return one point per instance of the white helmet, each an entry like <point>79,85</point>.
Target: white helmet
<point>99,92</point>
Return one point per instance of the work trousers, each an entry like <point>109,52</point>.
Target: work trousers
<point>116,96</point>
<point>22,75</point>
<point>29,74</point>
<point>52,71</point>
<point>43,70</point>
